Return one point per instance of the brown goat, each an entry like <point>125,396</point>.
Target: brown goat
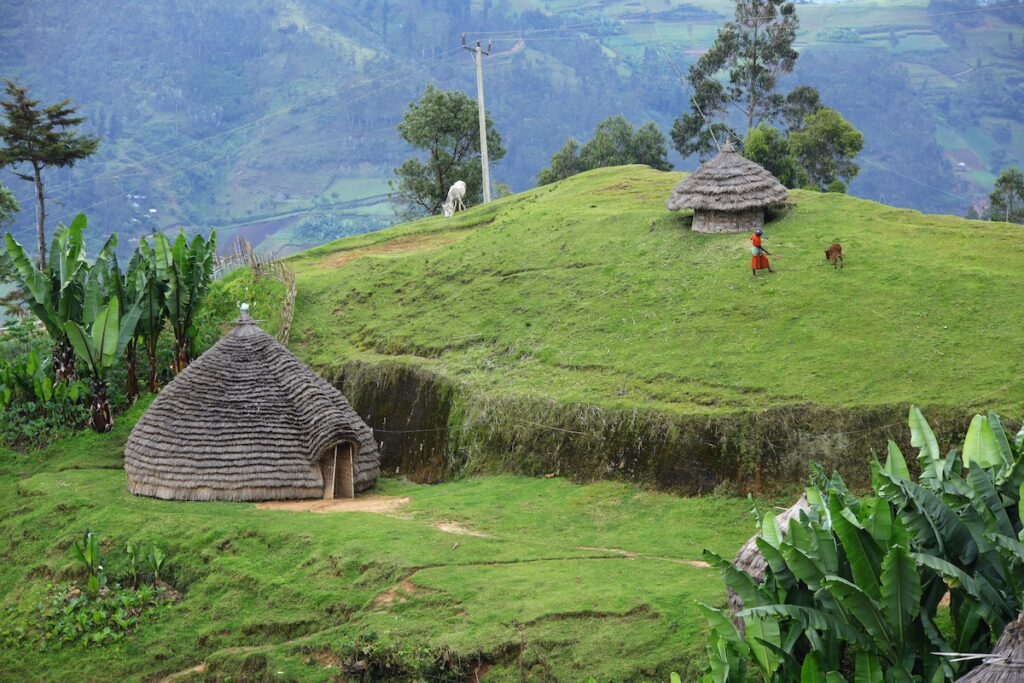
<point>834,255</point>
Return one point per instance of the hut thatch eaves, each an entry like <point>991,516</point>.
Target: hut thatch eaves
<point>1006,663</point>
<point>245,421</point>
<point>728,182</point>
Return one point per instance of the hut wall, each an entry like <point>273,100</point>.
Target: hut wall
<point>708,221</point>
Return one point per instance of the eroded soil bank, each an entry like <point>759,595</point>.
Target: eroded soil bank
<point>432,429</point>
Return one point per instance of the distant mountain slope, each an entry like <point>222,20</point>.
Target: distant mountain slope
<point>591,291</point>
<point>276,118</point>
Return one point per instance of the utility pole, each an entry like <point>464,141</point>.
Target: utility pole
<point>481,111</point>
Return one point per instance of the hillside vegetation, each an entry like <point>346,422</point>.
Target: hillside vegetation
<point>590,293</point>
<point>504,575</point>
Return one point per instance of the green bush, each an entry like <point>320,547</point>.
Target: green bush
<point>855,590</point>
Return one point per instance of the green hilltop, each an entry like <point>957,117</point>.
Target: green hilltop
<point>591,291</point>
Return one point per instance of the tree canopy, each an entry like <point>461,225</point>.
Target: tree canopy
<point>41,137</point>
<point>615,143</point>
<point>444,124</point>
<point>825,148</point>
<point>1006,203</point>
<point>739,72</point>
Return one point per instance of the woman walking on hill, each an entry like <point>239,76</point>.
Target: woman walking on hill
<point>759,255</point>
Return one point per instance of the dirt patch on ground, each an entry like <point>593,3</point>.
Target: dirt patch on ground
<point>400,593</point>
<point>379,504</point>
<point>699,564</point>
<point>456,528</point>
<point>396,246</point>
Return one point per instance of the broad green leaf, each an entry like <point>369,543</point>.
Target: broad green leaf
<point>834,677</point>
<point>989,603</point>
<point>901,592</point>
<point>81,342</point>
<point>105,333</point>
<point>934,522</point>
<point>738,581</point>
<point>895,463</point>
<point>29,276</point>
<point>766,630</point>
<point>770,531</point>
<point>864,609</point>
<point>1013,547</point>
<point>922,436</point>
<point>720,623</point>
<point>802,565</point>
<point>869,669</point>
<point>980,445</point>
<point>1001,438</point>
<point>811,671</point>
<point>879,523</point>
<point>987,502</point>
<point>810,618</point>
<point>861,551</point>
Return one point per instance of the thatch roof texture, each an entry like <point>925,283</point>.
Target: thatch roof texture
<point>245,421</point>
<point>728,182</point>
<point>750,560</point>
<point>1006,663</point>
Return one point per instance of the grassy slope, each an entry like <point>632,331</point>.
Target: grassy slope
<point>592,291</point>
<point>257,579</point>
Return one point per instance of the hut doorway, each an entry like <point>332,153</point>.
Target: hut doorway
<point>336,467</point>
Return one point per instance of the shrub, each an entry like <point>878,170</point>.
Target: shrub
<point>855,587</point>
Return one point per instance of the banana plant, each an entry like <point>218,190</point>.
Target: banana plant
<point>130,289</point>
<point>186,270</point>
<point>151,298</point>
<point>99,348</point>
<point>56,295</point>
<point>853,590</point>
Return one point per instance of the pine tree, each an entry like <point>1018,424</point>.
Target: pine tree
<point>41,137</point>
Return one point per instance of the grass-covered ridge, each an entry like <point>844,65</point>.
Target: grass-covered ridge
<point>590,291</point>
<point>545,584</point>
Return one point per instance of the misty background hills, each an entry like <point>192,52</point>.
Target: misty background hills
<point>275,119</point>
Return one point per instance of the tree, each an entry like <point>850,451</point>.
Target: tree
<point>766,146</point>
<point>1006,203</point>
<point>741,71</point>
<point>8,207</point>
<point>615,143</point>
<point>445,125</point>
<point>826,147</point>
<point>800,103</point>
<point>41,137</point>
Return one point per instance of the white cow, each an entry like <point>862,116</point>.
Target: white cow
<point>454,202</point>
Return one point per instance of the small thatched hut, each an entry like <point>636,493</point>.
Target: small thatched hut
<point>750,559</point>
<point>1006,663</point>
<point>727,194</point>
<point>248,421</point>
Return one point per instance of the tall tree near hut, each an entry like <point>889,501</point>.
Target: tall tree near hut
<point>1006,203</point>
<point>42,138</point>
<point>739,72</point>
<point>445,125</point>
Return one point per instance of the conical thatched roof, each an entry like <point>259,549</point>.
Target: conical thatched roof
<point>729,182</point>
<point>1006,663</point>
<point>245,421</point>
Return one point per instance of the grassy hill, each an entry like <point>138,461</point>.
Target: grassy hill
<point>589,294</point>
<point>504,576</point>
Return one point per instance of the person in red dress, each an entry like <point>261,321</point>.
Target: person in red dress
<point>759,255</point>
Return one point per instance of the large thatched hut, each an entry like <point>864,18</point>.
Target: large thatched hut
<point>1006,663</point>
<point>727,194</point>
<point>248,421</point>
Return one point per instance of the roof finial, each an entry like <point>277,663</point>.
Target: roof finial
<point>244,312</point>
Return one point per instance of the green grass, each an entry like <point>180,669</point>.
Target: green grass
<point>547,589</point>
<point>590,291</point>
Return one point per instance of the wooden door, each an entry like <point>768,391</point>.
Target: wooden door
<point>344,472</point>
<point>328,468</point>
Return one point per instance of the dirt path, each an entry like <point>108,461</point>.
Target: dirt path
<point>377,504</point>
<point>400,245</point>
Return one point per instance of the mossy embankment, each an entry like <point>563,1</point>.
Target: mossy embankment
<point>582,328</point>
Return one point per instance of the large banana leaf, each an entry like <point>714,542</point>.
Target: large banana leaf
<point>981,446</point>
<point>932,521</point>
<point>105,332</point>
<point>986,501</point>
<point>81,342</point>
<point>992,607</point>
<point>869,669</point>
<point>922,436</point>
<point>810,618</point>
<point>862,552</point>
<point>865,610</point>
<point>901,592</point>
<point>31,278</point>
